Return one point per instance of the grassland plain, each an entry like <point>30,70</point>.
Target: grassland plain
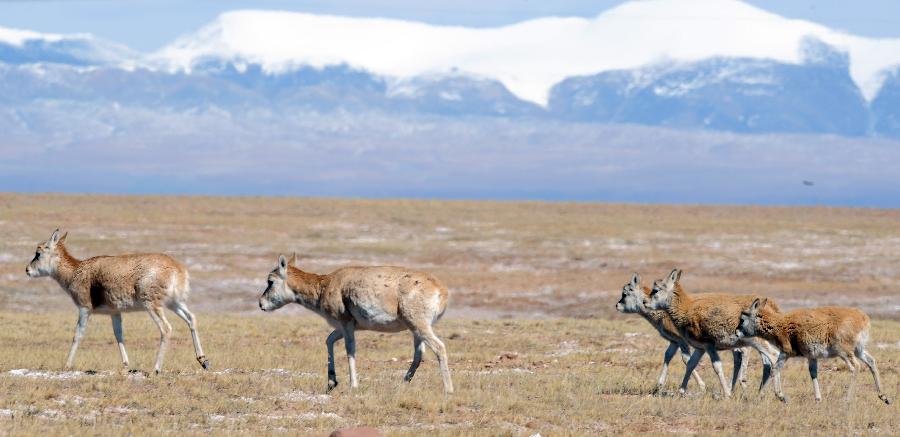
<point>559,376</point>
<point>534,340</point>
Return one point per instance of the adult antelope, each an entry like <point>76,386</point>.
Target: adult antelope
<point>384,299</point>
<point>116,284</point>
<point>632,302</point>
<point>708,324</point>
<point>813,333</point>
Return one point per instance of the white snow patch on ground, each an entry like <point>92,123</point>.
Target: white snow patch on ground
<point>304,416</point>
<point>434,426</point>
<point>283,372</point>
<point>50,414</point>
<point>195,264</point>
<point>366,239</point>
<point>567,347</point>
<point>312,416</point>
<point>888,345</point>
<point>77,400</point>
<point>513,267</point>
<point>499,371</point>
<point>125,410</point>
<point>40,374</point>
<point>345,226</point>
<point>137,375</point>
<point>296,396</point>
<point>620,350</point>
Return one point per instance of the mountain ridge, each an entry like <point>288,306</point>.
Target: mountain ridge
<point>794,77</point>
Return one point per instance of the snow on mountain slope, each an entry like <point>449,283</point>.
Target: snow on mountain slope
<point>28,47</point>
<point>17,37</point>
<point>527,57</point>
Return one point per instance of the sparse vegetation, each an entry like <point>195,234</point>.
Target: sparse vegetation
<point>577,377</point>
<point>565,364</point>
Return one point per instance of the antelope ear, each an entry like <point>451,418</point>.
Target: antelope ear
<point>635,279</point>
<point>282,266</point>
<point>54,237</point>
<point>764,302</point>
<point>292,261</point>
<point>754,307</point>
<point>63,238</point>
<point>674,276</point>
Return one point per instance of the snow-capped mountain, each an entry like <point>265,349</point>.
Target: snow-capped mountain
<point>733,94</point>
<point>529,58</point>
<point>696,64</point>
<point>27,47</point>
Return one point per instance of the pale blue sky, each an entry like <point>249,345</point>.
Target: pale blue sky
<point>149,24</point>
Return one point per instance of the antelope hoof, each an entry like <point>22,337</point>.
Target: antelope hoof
<point>885,399</point>
<point>203,362</point>
<point>332,383</point>
<point>782,398</point>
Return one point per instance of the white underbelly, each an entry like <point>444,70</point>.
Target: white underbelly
<point>373,318</point>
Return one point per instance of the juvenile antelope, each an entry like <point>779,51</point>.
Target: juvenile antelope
<point>813,333</point>
<point>708,324</point>
<point>116,284</point>
<point>384,299</point>
<point>632,302</point>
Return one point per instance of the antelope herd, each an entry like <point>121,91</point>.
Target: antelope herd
<point>395,299</point>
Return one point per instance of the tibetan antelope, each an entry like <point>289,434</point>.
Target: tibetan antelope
<point>813,333</point>
<point>116,284</point>
<point>350,299</point>
<point>708,324</point>
<point>632,302</point>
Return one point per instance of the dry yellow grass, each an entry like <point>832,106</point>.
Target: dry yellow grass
<point>572,365</point>
<point>556,377</point>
